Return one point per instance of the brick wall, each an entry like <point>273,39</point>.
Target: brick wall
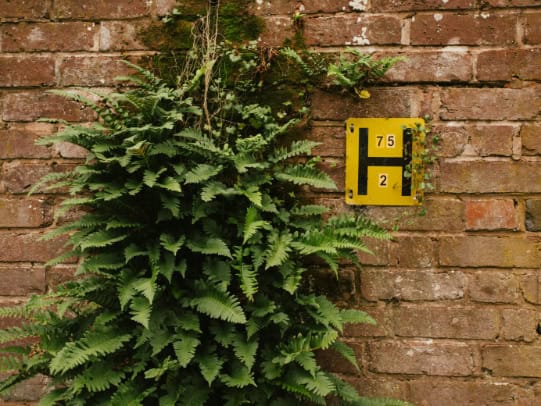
<point>456,293</point>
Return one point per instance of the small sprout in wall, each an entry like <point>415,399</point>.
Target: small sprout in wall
<point>354,70</point>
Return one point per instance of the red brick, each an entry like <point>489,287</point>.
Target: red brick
<point>58,275</point>
<point>92,70</point>
<point>442,214</point>
<point>491,214</point>
<point>331,361</point>
<point>100,9</point>
<point>411,285</point>
<point>276,31</point>
<point>30,212</point>
<point>418,5</point>
<point>64,37</point>
<point>413,252</point>
<point>418,357</point>
<point>335,168</point>
<point>164,7</point>
<point>68,150</point>
<point>493,286</point>
<point>26,71</point>
<point>513,3</point>
<point>377,386</point>
<point>21,280</point>
<point>490,177</point>
<point>23,8</point>
<point>463,29</point>
<point>444,321</point>
<point>476,140</point>
<point>26,246</point>
<point>531,139</point>
<point>30,106</point>
<point>512,360</point>
<point>380,253</point>
<point>520,324</point>
<point>32,389</point>
<point>19,141</point>
<point>509,64</point>
<point>432,67</point>
<point>530,286</point>
<point>491,251</point>
<point>491,104</point>
<point>288,7</point>
<point>532,29</point>
<point>472,393</point>
<point>332,140</point>
<point>381,329</point>
<point>122,35</point>
<point>19,177</point>
<point>384,102</point>
<point>352,30</point>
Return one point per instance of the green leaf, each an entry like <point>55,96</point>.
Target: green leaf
<point>210,366</point>
<point>101,239</point>
<point>185,347</point>
<point>246,351</point>
<point>202,173</point>
<point>209,246</point>
<point>140,310</point>
<point>320,384</point>
<point>346,352</point>
<point>219,305</point>
<point>356,316</point>
<point>171,184</point>
<point>279,246</point>
<point>305,175</point>
<point>240,377</point>
<point>252,224</point>
<point>171,243</point>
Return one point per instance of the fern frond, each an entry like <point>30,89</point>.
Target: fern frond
<point>302,147</point>
<point>240,377</point>
<point>209,246</point>
<point>352,316</point>
<point>246,351</point>
<point>278,251</point>
<point>346,352</point>
<point>202,173</point>
<point>210,365</point>
<point>185,346</point>
<point>219,305</point>
<point>305,175</point>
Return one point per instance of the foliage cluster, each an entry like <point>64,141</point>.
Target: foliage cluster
<point>194,248</point>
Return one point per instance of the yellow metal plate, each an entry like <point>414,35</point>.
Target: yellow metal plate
<point>378,151</point>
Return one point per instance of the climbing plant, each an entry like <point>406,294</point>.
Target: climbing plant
<point>195,244</point>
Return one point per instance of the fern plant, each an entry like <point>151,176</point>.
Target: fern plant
<point>194,251</point>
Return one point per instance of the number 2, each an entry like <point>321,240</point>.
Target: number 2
<point>382,180</point>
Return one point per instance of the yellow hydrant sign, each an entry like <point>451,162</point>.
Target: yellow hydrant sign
<point>379,153</point>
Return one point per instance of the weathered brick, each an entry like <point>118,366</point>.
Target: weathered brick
<point>335,168</point>
<point>473,393</point>
<point>331,361</point>
<point>23,9</point>
<point>463,29</point>
<point>490,177</point>
<point>421,357</point>
<point>531,139</point>
<point>59,274</point>
<point>491,104</point>
<point>490,251</point>
<point>412,285</point>
<point>446,322</point>
<point>332,140</point>
<point>30,106</point>
<point>509,64</point>
<point>289,7</point>
<point>381,329</point>
<point>92,70</point>
<point>19,141</point>
<point>68,150</point>
<point>530,286</point>
<point>276,31</point>
<point>475,140</point>
<point>352,30</point>
<point>380,253</point>
<point>102,9</point>
<point>491,214</point>
<point>432,67</point>
<point>413,252</point>
<point>376,386</point>
<point>384,102</point>
<point>418,5</point>
<point>164,7</point>
<point>26,71</point>
<point>26,246</point>
<point>532,29</point>
<point>513,3</point>
<point>533,214</point>
<point>21,280</point>
<point>122,35</point>
<point>493,286</point>
<point>65,37</point>
<point>30,212</point>
<point>20,176</point>
<point>512,360</point>
<point>32,389</point>
<point>442,214</point>
<point>520,324</point>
